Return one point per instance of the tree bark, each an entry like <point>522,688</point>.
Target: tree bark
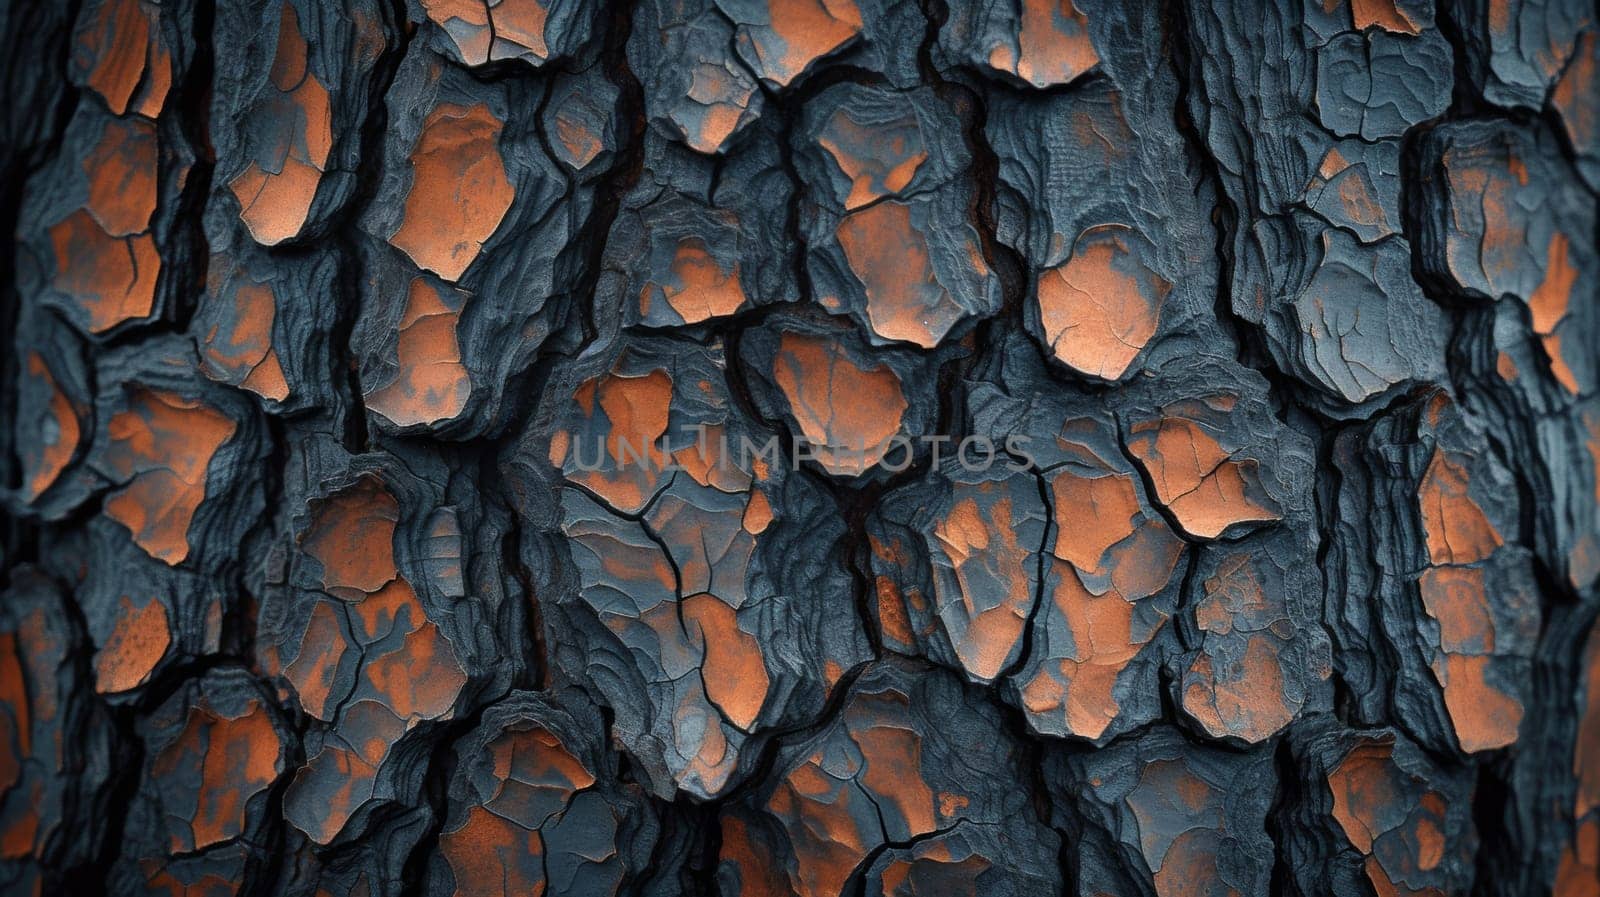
<point>761,447</point>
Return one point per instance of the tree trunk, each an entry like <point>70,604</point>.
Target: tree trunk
<point>762,447</point>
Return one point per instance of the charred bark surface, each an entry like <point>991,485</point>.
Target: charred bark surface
<point>800,447</point>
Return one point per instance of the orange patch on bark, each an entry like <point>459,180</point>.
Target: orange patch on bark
<point>734,670</point>
<point>827,842</point>
<point>312,671</point>
<point>1506,367</point>
<point>537,775</point>
<point>820,801</point>
<point>982,547</point>
<point>1586,751</point>
<point>757,513</point>
<point>519,22</point>
<point>637,410</point>
<point>709,462</point>
<point>758,873</point>
<point>892,773</point>
<point>352,536</point>
<point>1484,717</point>
<point>491,856</point>
<point>1385,14</point>
<point>1455,597</point>
<point>19,834</point>
<point>1360,203</point>
<point>1363,786</point>
<point>1092,515</point>
<point>894,619</point>
<point>799,33</point>
<point>137,643</point>
<point>1048,48</point>
<point>1548,307</point>
<point>459,190</point>
<point>703,289</point>
<point>244,355</point>
<point>1575,95</point>
<point>1143,565</point>
<point>432,384</point>
<point>890,257</point>
<point>848,413</point>
<point>421,677</point>
<point>1578,874</point>
<point>581,144</point>
<point>1457,530</point>
<point>276,189</point>
<point>124,50</point>
<point>719,100</point>
<point>1053,45</point>
<point>333,785</point>
<point>1490,193</point>
<point>232,758</point>
<point>1197,480</point>
<point>489,30</point>
<point>932,872</point>
<point>161,447</point>
<point>1081,684</point>
<point>1189,867</point>
<point>121,171</point>
<point>704,759</point>
<point>1100,308</point>
<point>114,280</point>
<point>14,698</point>
<point>1171,805</point>
<point>267,379</point>
<point>59,435</point>
<point>1243,699</point>
<point>1235,600</point>
<point>879,159</point>
<point>1244,696</point>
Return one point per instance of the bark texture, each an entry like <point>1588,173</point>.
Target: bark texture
<point>382,376</point>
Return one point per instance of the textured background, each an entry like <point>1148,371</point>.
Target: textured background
<point>319,306</point>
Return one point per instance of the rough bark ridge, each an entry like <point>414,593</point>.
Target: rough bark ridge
<point>381,515</point>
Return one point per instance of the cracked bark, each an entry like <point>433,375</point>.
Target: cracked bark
<point>381,516</point>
